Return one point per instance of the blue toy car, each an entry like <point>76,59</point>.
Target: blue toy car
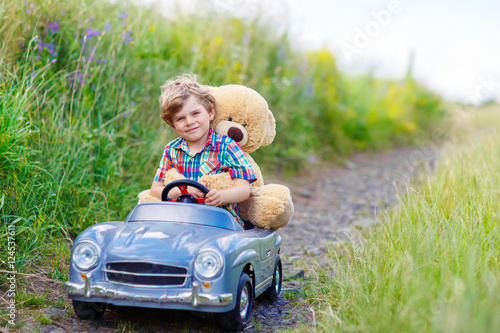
<point>176,255</point>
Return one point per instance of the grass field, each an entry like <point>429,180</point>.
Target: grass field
<point>432,265</point>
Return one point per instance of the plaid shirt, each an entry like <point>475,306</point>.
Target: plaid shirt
<point>220,154</point>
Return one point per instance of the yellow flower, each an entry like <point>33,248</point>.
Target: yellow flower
<point>152,28</point>
<point>409,127</point>
<point>218,41</point>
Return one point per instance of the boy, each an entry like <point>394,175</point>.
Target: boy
<point>188,108</point>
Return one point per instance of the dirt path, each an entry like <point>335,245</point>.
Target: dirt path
<point>332,206</point>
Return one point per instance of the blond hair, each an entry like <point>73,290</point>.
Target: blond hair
<point>174,94</point>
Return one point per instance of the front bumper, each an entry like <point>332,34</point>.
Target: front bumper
<point>102,293</point>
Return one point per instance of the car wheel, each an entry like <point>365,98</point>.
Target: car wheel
<point>236,319</point>
<point>89,310</point>
<point>272,293</point>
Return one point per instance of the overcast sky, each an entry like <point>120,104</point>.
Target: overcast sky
<point>455,43</point>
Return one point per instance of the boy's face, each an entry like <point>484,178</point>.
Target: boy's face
<point>192,122</point>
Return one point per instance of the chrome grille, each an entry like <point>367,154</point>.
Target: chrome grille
<point>146,274</point>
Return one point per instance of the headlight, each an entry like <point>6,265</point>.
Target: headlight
<point>85,255</point>
<point>208,263</point>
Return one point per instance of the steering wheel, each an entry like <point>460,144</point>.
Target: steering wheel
<point>185,196</point>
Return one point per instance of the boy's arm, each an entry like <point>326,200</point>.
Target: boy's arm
<point>240,192</point>
<point>157,188</point>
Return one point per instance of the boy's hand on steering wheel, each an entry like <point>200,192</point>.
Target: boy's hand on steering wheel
<point>194,191</point>
<point>176,192</point>
<point>213,198</point>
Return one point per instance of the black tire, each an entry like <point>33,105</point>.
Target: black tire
<point>89,310</point>
<point>273,292</point>
<point>236,319</point>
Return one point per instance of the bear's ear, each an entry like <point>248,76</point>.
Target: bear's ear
<point>271,129</point>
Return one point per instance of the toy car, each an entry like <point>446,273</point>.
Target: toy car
<point>176,255</point>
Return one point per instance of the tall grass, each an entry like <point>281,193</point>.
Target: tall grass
<point>80,129</point>
<point>432,266</point>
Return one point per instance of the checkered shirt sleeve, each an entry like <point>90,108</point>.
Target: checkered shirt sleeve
<point>237,163</point>
<point>165,165</point>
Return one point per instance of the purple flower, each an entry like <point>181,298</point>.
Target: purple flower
<point>53,61</point>
<point>53,27</point>
<point>310,89</point>
<point>103,61</point>
<point>32,5</point>
<point>37,57</point>
<point>123,16</point>
<point>133,103</point>
<point>311,160</point>
<point>126,114</point>
<point>123,24</point>
<point>92,87</point>
<point>246,38</point>
<point>23,46</point>
<point>281,52</point>
<point>93,33</point>
<point>107,26</point>
<point>28,11</point>
<point>194,49</point>
<point>111,77</point>
<point>126,37</point>
<point>63,12</point>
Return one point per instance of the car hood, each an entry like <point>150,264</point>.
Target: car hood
<point>160,241</point>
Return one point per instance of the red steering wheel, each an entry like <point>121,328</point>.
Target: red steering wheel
<point>185,196</point>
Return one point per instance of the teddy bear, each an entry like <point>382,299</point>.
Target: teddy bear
<point>243,114</point>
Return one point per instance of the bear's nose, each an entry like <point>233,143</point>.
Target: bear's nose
<point>235,133</point>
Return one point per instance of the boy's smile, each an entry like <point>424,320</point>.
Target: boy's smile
<point>192,123</point>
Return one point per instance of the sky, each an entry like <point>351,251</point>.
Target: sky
<point>454,44</point>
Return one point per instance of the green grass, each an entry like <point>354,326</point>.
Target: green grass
<point>432,265</point>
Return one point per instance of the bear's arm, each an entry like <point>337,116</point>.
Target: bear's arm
<point>221,181</point>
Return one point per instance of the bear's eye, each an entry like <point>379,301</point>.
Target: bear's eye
<point>244,125</point>
<point>230,119</point>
